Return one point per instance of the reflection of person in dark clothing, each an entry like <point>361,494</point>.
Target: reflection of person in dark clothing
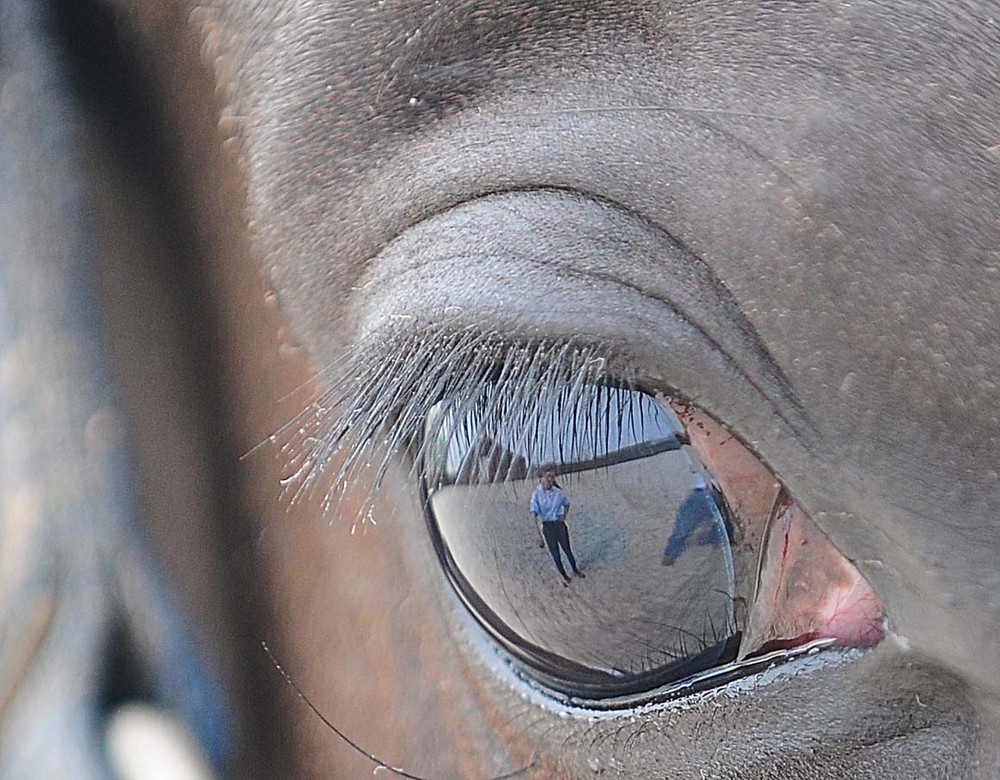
<point>549,508</point>
<point>698,522</point>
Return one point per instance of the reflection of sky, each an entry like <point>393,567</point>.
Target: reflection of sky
<point>609,420</point>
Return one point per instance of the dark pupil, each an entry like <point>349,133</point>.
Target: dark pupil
<point>646,526</point>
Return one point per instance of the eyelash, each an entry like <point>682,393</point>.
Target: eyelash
<point>378,397</point>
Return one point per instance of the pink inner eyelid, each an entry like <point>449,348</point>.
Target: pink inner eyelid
<point>804,588</point>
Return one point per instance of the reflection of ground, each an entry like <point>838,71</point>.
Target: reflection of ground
<point>631,613</point>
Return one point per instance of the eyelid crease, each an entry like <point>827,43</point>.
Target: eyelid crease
<point>483,263</point>
<point>720,318</point>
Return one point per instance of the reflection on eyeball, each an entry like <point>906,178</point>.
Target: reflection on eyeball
<point>668,524</point>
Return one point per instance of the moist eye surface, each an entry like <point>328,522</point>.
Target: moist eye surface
<point>695,565</point>
<point>649,593</point>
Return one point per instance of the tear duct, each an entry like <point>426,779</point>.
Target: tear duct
<point>803,587</point>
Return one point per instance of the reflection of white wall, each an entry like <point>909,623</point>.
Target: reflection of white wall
<point>625,614</point>
<point>608,420</point>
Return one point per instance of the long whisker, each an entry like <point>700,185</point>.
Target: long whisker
<point>398,771</point>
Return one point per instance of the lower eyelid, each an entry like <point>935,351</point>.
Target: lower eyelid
<point>813,711</point>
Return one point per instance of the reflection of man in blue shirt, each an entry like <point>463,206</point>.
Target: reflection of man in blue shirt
<point>698,521</point>
<point>550,507</point>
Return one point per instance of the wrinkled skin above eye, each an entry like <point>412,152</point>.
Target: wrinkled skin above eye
<point>784,213</point>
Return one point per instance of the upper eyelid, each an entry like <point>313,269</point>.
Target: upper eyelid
<point>418,344</point>
<point>500,227</point>
<point>702,347</point>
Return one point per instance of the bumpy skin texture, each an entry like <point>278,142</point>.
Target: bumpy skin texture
<point>830,172</point>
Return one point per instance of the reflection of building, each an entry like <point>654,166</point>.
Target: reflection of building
<point>486,461</point>
<point>609,427</point>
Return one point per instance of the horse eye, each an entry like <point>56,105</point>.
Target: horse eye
<point>612,547</point>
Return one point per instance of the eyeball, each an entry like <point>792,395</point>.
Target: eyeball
<point>614,543</point>
<point>629,582</point>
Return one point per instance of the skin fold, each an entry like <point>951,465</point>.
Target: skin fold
<point>784,213</point>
